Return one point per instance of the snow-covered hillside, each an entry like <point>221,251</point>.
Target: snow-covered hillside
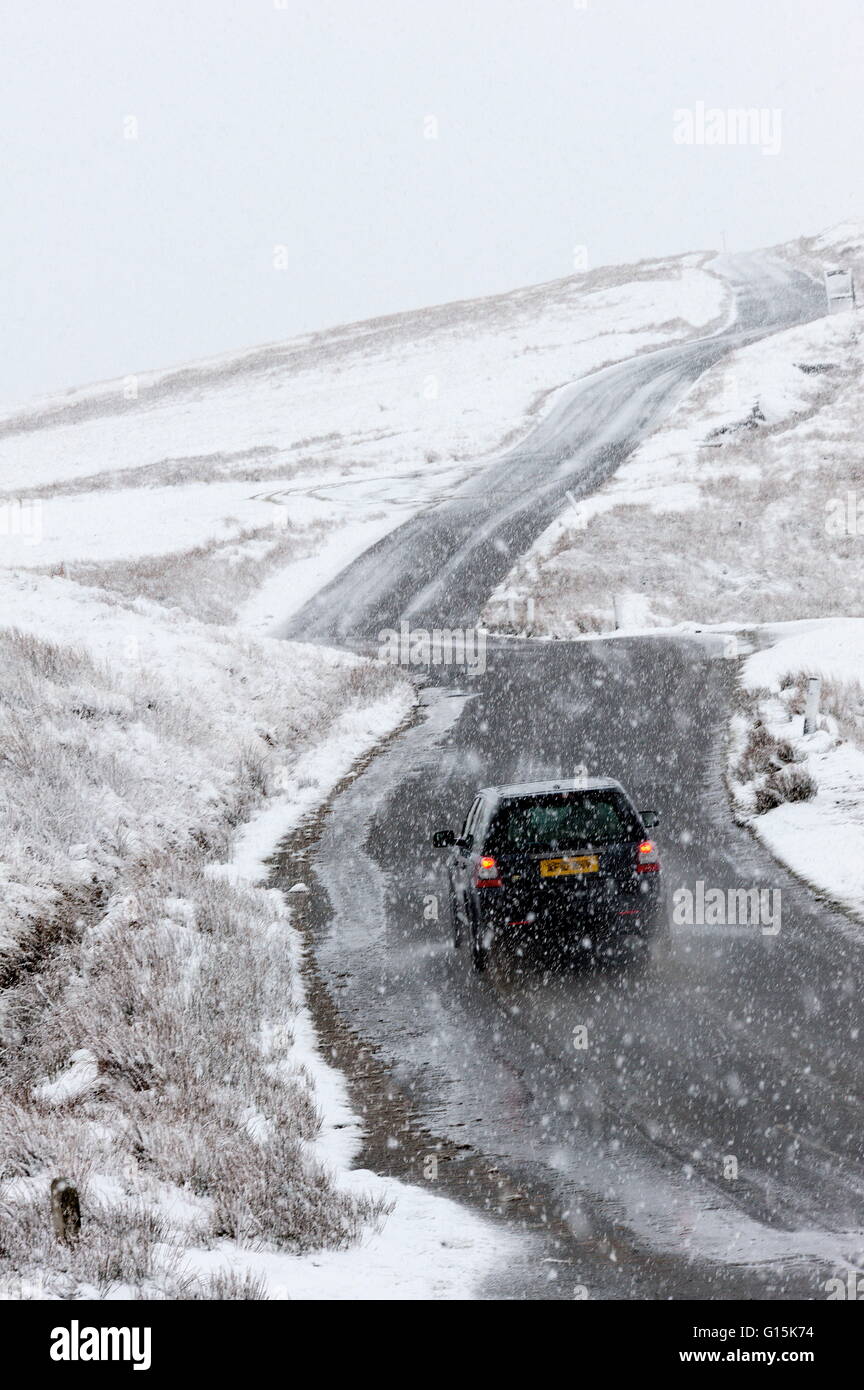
<point>803,794</point>
<point>156,744</point>
<point>728,513</point>
<point>839,246</point>
<point>289,460</point>
<point>155,749</point>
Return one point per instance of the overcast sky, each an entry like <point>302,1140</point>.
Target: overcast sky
<point>307,126</point>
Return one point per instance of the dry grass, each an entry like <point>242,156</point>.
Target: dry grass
<point>209,582</point>
<point>844,702</point>
<point>196,1088</point>
<point>841,703</point>
<point>757,546</point>
<point>768,765</point>
<point>751,550</point>
<point>250,465</point>
<point>178,982</point>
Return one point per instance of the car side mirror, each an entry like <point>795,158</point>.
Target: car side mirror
<point>443,839</point>
<point>650,819</point>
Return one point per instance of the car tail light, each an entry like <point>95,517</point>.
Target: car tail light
<point>647,859</point>
<point>487,872</point>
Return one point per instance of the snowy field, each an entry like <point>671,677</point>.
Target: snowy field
<point>156,745</point>
<point>731,511</point>
<point>163,1055</point>
<point>283,463</point>
<point>804,794</point>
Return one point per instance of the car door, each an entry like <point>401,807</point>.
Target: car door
<point>462,854</point>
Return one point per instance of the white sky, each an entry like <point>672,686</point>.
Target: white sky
<point>303,126</point>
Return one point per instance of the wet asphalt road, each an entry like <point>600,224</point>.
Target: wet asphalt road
<point>706,1142</point>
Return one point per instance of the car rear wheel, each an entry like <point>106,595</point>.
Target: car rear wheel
<point>455,920</point>
<point>480,947</point>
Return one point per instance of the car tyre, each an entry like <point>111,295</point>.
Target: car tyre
<point>480,952</point>
<point>455,921</point>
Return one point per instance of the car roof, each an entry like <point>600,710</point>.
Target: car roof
<point>564,784</point>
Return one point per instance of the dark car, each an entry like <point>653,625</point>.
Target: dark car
<point>564,864</point>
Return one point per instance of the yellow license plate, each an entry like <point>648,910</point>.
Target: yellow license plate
<point>581,864</point>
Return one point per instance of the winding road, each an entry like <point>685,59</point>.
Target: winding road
<point>706,1140</point>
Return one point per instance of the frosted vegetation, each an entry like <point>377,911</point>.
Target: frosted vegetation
<point>146,1006</point>
<point>145,1020</point>
<point>729,513</point>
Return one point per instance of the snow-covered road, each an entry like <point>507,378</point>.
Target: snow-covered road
<point>440,567</point>
<point>706,1141</point>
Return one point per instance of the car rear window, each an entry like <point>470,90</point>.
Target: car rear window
<point>566,821</point>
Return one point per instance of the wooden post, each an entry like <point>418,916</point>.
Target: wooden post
<point>65,1211</point>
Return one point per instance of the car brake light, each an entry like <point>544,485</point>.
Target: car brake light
<point>487,872</point>
<point>647,859</point>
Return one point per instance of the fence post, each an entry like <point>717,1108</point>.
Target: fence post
<point>811,709</point>
<point>65,1211</point>
<point>619,604</point>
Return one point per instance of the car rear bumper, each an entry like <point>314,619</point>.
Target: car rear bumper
<point>574,922</point>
